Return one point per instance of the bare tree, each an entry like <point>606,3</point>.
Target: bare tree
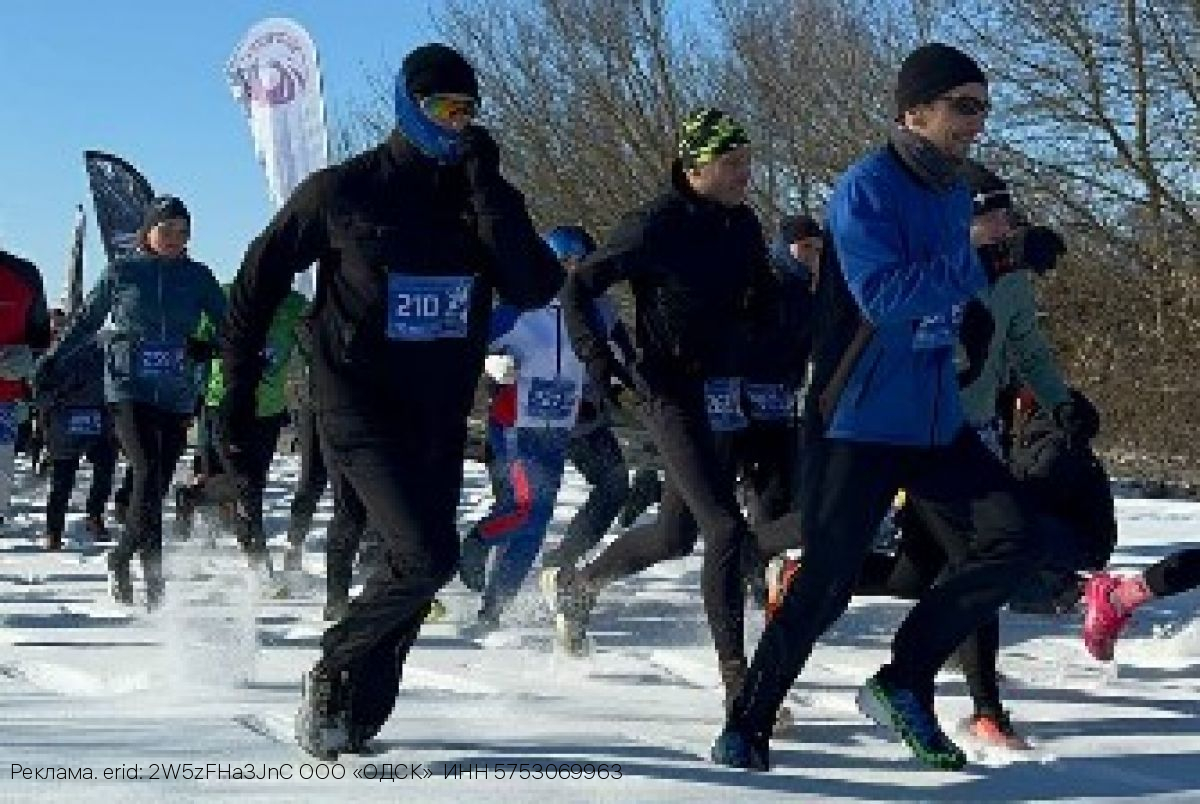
<point>586,93</point>
<point>1099,121</point>
<point>809,77</point>
<point>1100,104</point>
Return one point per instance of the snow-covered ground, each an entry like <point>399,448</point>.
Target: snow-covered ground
<point>205,689</point>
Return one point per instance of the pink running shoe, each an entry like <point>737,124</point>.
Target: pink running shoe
<point>1103,616</point>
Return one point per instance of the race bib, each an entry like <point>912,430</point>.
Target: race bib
<point>549,399</point>
<point>8,423</point>
<point>83,421</point>
<point>159,359</point>
<point>938,331</point>
<point>723,400</point>
<point>426,308</point>
<point>770,402</point>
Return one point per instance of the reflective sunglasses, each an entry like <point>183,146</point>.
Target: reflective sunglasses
<point>450,107</point>
<point>966,106</point>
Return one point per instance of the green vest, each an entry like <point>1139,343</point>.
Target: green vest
<point>281,338</point>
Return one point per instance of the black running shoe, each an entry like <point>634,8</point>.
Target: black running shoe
<point>323,720</point>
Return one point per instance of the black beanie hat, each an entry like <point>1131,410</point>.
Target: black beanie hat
<point>164,208</point>
<point>794,228</point>
<point>988,191</point>
<point>437,69</point>
<point>932,70</point>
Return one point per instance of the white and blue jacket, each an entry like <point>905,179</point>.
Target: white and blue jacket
<point>549,376</point>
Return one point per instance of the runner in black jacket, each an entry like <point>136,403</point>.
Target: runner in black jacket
<point>696,261</point>
<point>77,425</point>
<point>775,364</point>
<point>411,239</point>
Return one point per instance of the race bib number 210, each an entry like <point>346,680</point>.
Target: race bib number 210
<point>426,308</point>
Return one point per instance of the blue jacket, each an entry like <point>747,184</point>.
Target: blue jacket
<point>154,305</point>
<point>905,254</point>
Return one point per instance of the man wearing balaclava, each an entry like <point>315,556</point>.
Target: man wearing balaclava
<point>884,411</point>
<point>412,240</point>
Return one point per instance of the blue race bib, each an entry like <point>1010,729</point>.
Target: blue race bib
<point>549,399</point>
<point>770,401</point>
<point>938,331</point>
<point>156,359</point>
<point>426,308</point>
<point>723,400</point>
<point>8,423</point>
<point>83,421</point>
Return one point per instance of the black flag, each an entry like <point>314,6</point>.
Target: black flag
<point>121,195</point>
<point>74,296</point>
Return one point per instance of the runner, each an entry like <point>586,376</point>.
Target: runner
<point>411,239</point>
<point>884,414</point>
<point>24,327</point>
<point>155,300</point>
<point>215,485</point>
<point>696,261</point>
<point>78,424</point>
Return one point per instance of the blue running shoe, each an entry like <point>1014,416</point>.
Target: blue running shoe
<point>902,712</point>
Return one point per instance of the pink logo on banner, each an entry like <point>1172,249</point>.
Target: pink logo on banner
<point>274,69</point>
<point>272,83</point>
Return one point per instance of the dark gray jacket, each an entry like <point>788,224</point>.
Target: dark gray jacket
<point>70,396</point>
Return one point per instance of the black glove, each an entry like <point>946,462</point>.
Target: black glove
<point>1078,417</point>
<point>235,432</point>
<point>1037,248</point>
<point>480,155</point>
<point>587,411</point>
<point>44,371</point>
<point>198,350</point>
<point>975,335</point>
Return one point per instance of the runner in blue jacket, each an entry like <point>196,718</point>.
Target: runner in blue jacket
<point>155,301</point>
<point>885,415</point>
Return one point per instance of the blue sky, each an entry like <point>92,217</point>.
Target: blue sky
<point>145,81</point>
